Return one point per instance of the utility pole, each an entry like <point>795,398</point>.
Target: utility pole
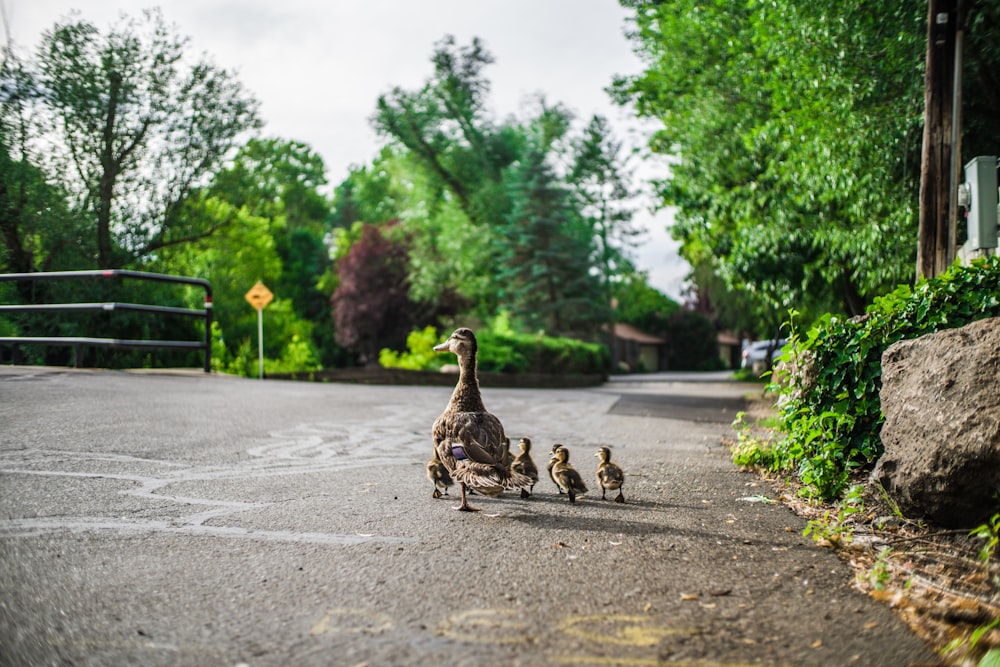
<point>938,174</point>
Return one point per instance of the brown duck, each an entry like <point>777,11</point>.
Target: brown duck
<point>524,464</point>
<point>439,476</point>
<point>609,475</point>
<point>566,476</point>
<point>551,464</point>
<point>470,440</point>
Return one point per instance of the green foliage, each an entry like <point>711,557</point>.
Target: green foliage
<point>501,350</point>
<point>794,130</point>
<point>834,528</point>
<point>130,129</point>
<point>545,258</point>
<point>296,357</point>
<point>519,215</point>
<point>880,574</point>
<point>419,355</point>
<point>966,645</point>
<point>693,344</point>
<point>537,353</point>
<point>643,306</point>
<point>830,409</point>
<point>989,532</point>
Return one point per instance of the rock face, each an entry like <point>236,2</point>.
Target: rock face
<point>941,401</point>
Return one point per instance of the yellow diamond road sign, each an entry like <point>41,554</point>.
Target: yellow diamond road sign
<point>259,296</point>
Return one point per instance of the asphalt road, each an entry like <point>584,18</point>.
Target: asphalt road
<point>207,520</point>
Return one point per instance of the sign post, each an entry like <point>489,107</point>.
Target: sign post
<point>258,297</point>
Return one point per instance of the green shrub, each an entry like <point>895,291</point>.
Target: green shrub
<point>419,355</point>
<point>518,353</point>
<point>502,351</point>
<point>830,412</point>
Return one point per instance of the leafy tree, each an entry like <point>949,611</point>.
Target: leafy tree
<point>132,131</point>
<point>643,306</point>
<point>234,259</point>
<point>600,178</point>
<point>545,273</point>
<point>39,232</point>
<point>449,262</point>
<point>514,214</point>
<point>795,128</point>
<point>692,342</point>
<point>372,308</point>
<point>447,126</point>
<point>280,181</point>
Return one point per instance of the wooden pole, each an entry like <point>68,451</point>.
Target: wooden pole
<point>936,156</point>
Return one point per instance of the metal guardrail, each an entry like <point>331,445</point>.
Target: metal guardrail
<point>79,342</point>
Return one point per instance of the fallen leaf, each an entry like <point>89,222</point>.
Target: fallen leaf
<point>687,597</point>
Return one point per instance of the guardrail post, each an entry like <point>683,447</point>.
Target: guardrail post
<point>208,329</point>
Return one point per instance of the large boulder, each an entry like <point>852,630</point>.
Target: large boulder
<point>941,401</point>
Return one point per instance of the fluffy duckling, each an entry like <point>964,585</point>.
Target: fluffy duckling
<point>524,464</point>
<point>439,476</point>
<point>609,475</point>
<point>470,440</point>
<point>551,464</point>
<point>566,475</point>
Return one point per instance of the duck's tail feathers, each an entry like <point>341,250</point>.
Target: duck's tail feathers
<point>490,480</point>
<point>484,478</point>
<point>517,480</point>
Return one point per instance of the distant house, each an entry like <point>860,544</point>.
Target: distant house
<point>730,349</point>
<point>637,350</point>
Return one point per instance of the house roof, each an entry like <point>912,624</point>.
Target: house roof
<point>726,338</point>
<point>629,332</point>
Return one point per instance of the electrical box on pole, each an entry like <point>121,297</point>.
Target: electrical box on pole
<point>978,194</point>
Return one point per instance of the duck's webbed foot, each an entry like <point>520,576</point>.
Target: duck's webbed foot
<point>436,494</point>
<point>464,506</point>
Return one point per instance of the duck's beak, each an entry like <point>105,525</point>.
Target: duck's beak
<point>443,347</point>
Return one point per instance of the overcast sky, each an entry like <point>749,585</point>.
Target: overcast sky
<point>318,67</point>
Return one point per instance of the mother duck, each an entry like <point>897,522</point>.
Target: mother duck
<point>469,440</point>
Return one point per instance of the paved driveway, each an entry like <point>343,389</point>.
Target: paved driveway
<point>207,520</point>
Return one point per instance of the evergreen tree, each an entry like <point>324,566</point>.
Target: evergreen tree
<point>546,278</point>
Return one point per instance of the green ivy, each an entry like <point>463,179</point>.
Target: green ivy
<point>830,412</point>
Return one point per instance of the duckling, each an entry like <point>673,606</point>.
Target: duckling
<point>609,475</point>
<point>566,475</point>
<point>439,476</point>
<point>469,440</point>
<point>524,464</point>
<point>552,462</point>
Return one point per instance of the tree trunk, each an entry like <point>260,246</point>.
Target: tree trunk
<point>936,163</point>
